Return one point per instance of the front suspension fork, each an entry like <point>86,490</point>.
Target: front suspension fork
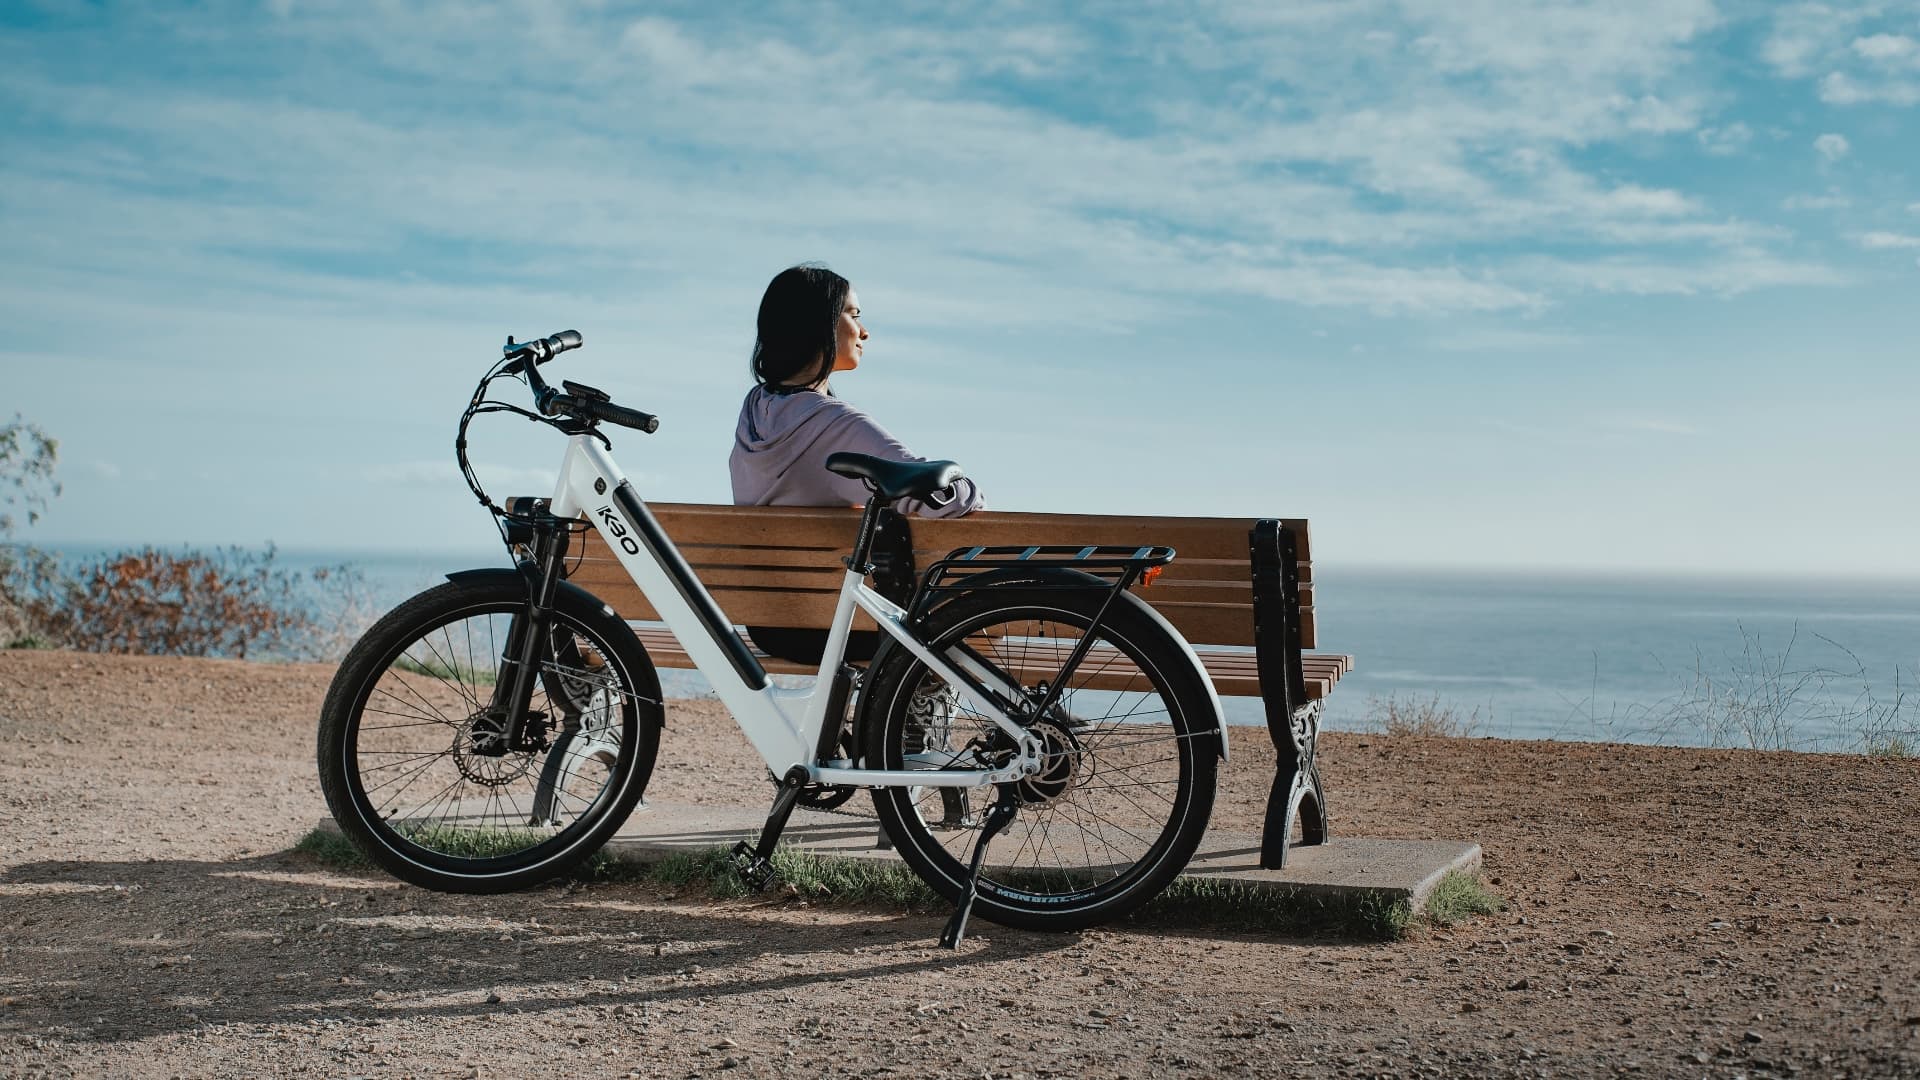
<point>529,638</point>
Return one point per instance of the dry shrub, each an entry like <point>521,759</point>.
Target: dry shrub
<point>1416,715</point>
<point>28,457</point>
<point>1764,699</point>
<point>226,602</point>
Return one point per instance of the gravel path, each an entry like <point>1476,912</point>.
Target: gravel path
<point>1672,913</point>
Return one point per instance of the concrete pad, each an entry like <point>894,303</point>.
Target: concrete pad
<point>1346,866</point>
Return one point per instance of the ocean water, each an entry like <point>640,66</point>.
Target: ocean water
<point>1783,662</point>
<point>1780,662</point>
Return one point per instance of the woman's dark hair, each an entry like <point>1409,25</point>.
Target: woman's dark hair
<point>798,318</point>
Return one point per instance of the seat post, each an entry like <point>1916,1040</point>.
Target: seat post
<point>860,560</point>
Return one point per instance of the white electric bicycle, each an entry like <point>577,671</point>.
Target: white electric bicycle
<point>495,730</point>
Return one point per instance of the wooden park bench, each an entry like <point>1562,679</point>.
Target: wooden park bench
<point>1240,590</point>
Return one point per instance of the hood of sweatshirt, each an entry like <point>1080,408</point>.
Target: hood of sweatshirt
<point>782,424</point>
<point>776,435</point>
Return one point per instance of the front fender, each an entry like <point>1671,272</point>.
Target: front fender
<point>514,574</point>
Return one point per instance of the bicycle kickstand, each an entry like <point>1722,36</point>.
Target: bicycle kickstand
<point>754,862</point>
<point>999,815</point>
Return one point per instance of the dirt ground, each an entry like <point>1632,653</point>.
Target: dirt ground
<point>1671,913</point>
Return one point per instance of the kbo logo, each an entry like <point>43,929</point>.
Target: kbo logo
<point>618,529</point>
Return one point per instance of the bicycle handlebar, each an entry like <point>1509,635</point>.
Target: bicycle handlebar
<point>590,404</point>
<point>601,410</point>
<point>539,351</point>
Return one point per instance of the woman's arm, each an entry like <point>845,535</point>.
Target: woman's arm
<point>854,430</point>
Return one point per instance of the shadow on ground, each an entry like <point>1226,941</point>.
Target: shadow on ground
<point>115,950</point>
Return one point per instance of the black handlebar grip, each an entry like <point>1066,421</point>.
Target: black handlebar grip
<point>539,351</point>
<point>625,417</point>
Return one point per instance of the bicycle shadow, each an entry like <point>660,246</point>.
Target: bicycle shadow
<point>122,951</point>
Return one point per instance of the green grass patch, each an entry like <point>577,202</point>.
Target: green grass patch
<point>1885,745</point>
<point>815,877</point>
<point>854,881</point>
<point>332,849</point>
<point>468,843</point>
<point>1189,901</point>
<point>1460,896</point>
<point>31,641</point>
<point>329,846</point>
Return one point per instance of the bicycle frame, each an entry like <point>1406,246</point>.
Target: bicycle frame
<point>783,724</point>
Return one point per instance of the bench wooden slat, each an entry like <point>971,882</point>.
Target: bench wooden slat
<point>832,528</point>
<point>1216,624</point>
<point>1233,673</point>
<point>1199,538</point>
<point>717,573</point>
<point>745,606</point>
<point>826,528</point>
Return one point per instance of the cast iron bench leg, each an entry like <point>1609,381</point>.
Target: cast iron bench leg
<point>1297,794</point>
<point>1293,722</point>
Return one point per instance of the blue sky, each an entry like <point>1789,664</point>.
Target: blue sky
<point>1623,285</point>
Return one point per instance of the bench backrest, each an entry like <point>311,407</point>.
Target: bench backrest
<point>780,565</point>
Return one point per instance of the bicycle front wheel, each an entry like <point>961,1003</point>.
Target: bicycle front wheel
<point>412,758</point>
<point>1132,755</point>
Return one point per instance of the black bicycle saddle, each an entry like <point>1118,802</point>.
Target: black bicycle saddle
<point>896,479</point>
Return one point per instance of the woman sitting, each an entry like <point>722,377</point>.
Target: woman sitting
<point>809,328</point>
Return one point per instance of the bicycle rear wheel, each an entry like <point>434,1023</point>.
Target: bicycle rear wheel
<point>411,760</point>
<point>1132,756</point>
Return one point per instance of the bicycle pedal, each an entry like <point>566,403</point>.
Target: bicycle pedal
<point>757,872</point>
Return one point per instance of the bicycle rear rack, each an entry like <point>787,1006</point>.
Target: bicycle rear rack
<point>1116,566</point>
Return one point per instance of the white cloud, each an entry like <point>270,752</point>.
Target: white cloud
<point>1829,201</point>
<point>1886,47</point>
<point>1832,147</point>
<point>708,144</point>
<point>1804,35</point>
<point>1837,88</point>
<point>106,470</point>
<point>1886,241</point>
<point>1730,139</point>
<point>1857,53</point>
<point>1913,208</point>
<point>1737,273</point>
<point>1664,202</point>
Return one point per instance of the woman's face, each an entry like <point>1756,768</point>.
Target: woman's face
<point>849,337</point>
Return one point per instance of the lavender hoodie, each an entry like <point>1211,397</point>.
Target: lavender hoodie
<point>780,450</point>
